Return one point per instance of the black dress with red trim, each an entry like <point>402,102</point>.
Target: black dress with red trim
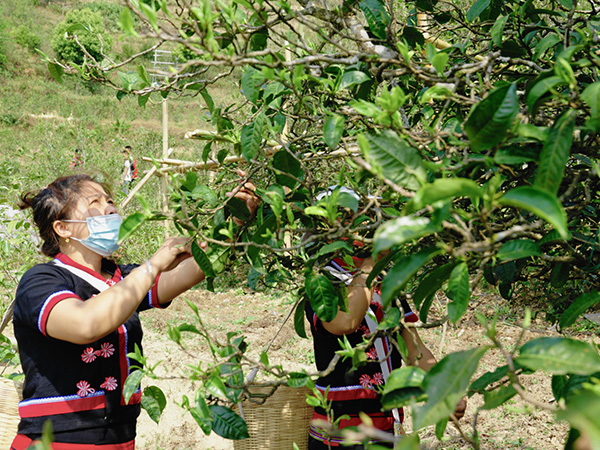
<point>76,387</point>
<point>351,390</point>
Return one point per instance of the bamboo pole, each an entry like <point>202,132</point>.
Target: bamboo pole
<point>177,165</point>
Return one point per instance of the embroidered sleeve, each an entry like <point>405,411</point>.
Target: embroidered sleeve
<point>39,291</point>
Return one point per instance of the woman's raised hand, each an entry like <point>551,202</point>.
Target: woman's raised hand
<point>171,254</point>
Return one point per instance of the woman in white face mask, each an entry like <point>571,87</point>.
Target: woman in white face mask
<point>76,317</point>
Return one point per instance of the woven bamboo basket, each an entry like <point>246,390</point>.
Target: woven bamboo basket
<point>10,396</point>
<point>283,418</point>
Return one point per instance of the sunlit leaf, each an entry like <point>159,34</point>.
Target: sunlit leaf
<point>458,291</point>
<point>395,158</point>
<point>333,130</point>
<point>445,384</point>
<point>126,23</point>
<point>401,230</point>
<point>154,402</point>
<point>559,356</point>
<point>131,224</point>
<point>132,384</point>
<point>541,203</point>
<point>442,189</point>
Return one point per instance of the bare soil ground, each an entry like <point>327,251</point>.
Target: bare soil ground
<point>515,425</point>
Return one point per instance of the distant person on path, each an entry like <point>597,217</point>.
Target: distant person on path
<point>76,317</point>
<point>355,391</point>
<point>77,160</point>
<point>126,170</point>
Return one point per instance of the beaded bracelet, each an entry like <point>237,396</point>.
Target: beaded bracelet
<point>148,268</point>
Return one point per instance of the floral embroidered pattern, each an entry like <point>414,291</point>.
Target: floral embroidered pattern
<point>365,380</point>
<point>84,389</point>
<point>110,384</point>
<point>365,330</point>
<point>88,355</point>
<point>106,351</point>
<point>372,353</point>
<point>377,379</point>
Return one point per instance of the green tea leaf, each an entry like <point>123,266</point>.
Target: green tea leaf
<point>445,384</point>
<point>555,153</point>
<point>333,130</point>
<point>442,189</point>
<point>322,296</point>
<point>498,30</point>
<point>541,203</point>
<point>401,230</point>
<point>395,159</point>
<point>591,95</point>
<point>540,90</point>
<point>497,397</point>
<point>559,356</point>
<point>251,82</point>
<point>458,291</point>
<point>286,164</point>
<point>132,383</point>
<point>517,249</point>
<point>353,78</point>
<point>227,423</point>
<point>251,137</point>
<point>126,23</point>
<point>131,224</point>
<point>476,9</point>
<point>377,17</point>
<point>439,61</point>
<point>202,260</point>
<point>578,307</point>
<point>402,271</point>
<point>489,120</point>
<point>432,282</point>
<point>154,402</point>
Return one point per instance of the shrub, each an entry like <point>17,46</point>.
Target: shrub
<point>26,38</point>
<point>77,23</point>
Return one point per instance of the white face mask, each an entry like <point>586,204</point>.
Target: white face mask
<point>104,233</point>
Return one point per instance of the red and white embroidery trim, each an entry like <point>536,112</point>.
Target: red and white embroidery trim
<point>110,384</point>
<point>106,351</point>
<point>365,380</point>
<point>84,389</point>
<point>88,355</point>
<point>377,379</point>
<point>372,354</point>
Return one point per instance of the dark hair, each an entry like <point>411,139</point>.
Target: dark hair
<point>55,202</point>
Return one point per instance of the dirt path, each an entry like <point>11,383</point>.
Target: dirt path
<point>513,426</point>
